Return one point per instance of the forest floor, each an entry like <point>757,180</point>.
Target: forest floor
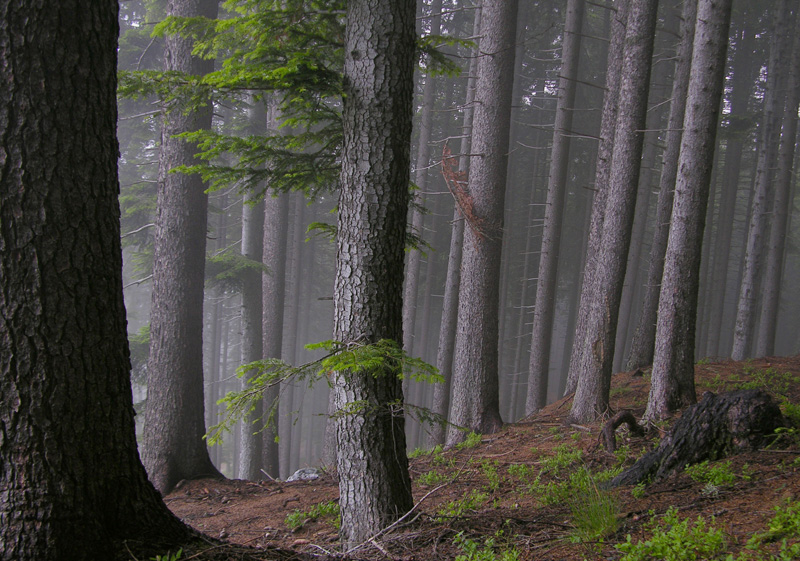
<point>525,491</point>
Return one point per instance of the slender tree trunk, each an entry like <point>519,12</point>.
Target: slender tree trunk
<point>780,213</point>
<point>672,384</point>
<point>539,367</point>
<point>604,153</point>
<point>447,331</point>
<point>173,447</point>
<point>594,368</point>
<point>374,485</point>
<point>644,339</point>
<point>72,484</point>
<point>768,148</point>
<point>475,398</point>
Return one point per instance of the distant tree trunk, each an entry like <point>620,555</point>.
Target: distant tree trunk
<point>475,394</point>
<point>767,154</point>
<point>644,339</point>
<point>594,368</point>
<point>604,152</point>
<point>173,447</point>
<point>421,180</point>
<point>374,485</point>
<point>72,484</point>
<point>539,367</point>
<point>781,208</point>
<point>447,330</point>
<point>672,385</point>
<point>250,446</point>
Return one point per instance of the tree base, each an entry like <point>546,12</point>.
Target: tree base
<point>717,426</point>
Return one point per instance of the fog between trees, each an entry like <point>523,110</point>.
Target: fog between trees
<point>750,233</point>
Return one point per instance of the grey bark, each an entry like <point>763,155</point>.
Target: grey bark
<point>672,385</point>
<point>374,485</point>
<point>173,447</point>
<point>781,209</point>
<point>604,152</point>
<point>594,367</point>
<point>644,338</point>
<point>447,330</point>
<point>475,395</point>
<point>72,483</point>
<point>768,148</point>
<point>539,367</point>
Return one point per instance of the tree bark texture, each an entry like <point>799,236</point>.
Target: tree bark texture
<point>767,154</point>
<point>643,344</point>
<point>781,209</point>
<point>594,367</point>
<point>173,447</point>
<point>672,385</point>
<point>717,426</point>
<point>608,124</point>
<point>72,483</point>
<point>475,392</point>
<point>374,484</point>
<point>539,367</point>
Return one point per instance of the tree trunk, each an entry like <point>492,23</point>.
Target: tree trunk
<point>604,152</point>
<point>594,368</point>
<point>672,385</point>
<point>374,485</point>
<point>780,213</point>
<point>475,396</point>
<point>539,367</point>
<point>644,339</point>
<point>72,484</point>
<point>173,447</point>
<point>767,154</point>
<point>447,330</point>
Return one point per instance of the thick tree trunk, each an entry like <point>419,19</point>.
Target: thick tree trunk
<point>672,384</point>
<point>475,394</point>
<point>539,367</point>
<point>173,447</point>
<point>780,211</point>
<point>644,339</point>
<point>374,485</point>
<point>607,131</point>
<point>594,367</point>
<point>447,330</point>
<point>72,484</point>
<point>767,154</point>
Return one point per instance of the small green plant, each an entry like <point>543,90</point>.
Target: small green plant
<point>522,471</point>
<point>565,456</point>
<point>473,439</point>
<point>169,556</point>
<point>459,507</point>
<point>489,552</point>
<point>674,539</point>
<point>417,453</point>
<point>638,491</point>
<point>594,512</point>
<point>622,453</point>
<point>489,471</point>
<point>718,475</point>
<point>792,412</point>
<point>770,379</point>
<point>431,478</point>
<point>298,518</point>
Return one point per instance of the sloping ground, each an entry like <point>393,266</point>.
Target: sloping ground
<point>527,490</point>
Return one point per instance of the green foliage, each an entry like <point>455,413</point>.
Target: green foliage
<point>792,412</point>
<point>770,380</point>
<point>785,524</point>
<point>169,556</point>
<point>489,552</point>
<point>674,539</point>
<point>230,269</point>
<point>522,471</point>
<point>594,511</point>
<point>473,439</point>
<point>431,478</point>
<point>458,508</point>
<point>298,518</point>
<point>638,491</point>
<point>489,471</point>
<point>378,359</point>
<point>717,475</point>
<point>565,456</point>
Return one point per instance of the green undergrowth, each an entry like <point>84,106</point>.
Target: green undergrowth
<point>328,510</point>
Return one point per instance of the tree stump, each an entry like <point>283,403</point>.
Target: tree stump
<point>717,426</point>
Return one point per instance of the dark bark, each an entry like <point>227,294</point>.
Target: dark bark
<point>539,367</point>
<point>72,484</point>
<point>673,366</point>
<point>594,366</point>
<point>644,338</point>
<point>475,393</point>
<point>717,426</point>
<point>374,484</point>
<point>609,429</point>
<point>173,447</point>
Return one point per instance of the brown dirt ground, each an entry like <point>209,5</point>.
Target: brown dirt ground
<point>253,514</point>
